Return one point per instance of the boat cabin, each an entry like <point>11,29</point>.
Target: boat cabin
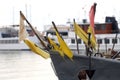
<point>110,26</point>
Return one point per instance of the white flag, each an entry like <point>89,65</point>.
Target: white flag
<point>22,31</point>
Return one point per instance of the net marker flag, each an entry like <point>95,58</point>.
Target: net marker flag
<point>23,36</point>
<point>62,43</point>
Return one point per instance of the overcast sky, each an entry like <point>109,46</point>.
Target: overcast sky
<point>43,12</point>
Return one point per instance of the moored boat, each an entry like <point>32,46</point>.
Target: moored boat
<point>9,39</point>
<point>89,66</point>
<point>104,67</point>
<point>99,68</point>
<point>105,35</point>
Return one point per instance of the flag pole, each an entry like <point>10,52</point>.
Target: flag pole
<point>76,40</point>
<point>106,44</point>
<point>56,29</point>
<point>98,47</point>
<point>114,42</point>
<point>91,71</point>
<point>62,43</point>
<point>34,32</point>
<point>114,55</point>
<point>88,50</point>
<point>54,26</point>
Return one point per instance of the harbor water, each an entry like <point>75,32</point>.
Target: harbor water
<point>25,65</point>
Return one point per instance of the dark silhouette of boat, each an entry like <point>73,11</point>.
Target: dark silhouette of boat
<point>95,68</point>
<point>87,67</point>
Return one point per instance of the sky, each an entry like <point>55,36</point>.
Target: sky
<point>43,12</point>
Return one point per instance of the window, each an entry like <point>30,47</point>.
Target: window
<point>114,41</point>
<point>72,40</point>
<point>64,33</point>
<point>107,41</point>
<point>99,41</point>
<point>97,27</point>
<point>79,41</point>
<point>103,27</point>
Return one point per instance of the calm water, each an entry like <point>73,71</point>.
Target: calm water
<point>24,65</point>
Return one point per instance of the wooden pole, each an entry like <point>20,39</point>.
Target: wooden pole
<point>76,40</point>
<point>98,48</point>
<point>105,39</point>
<point>56,29</point>
<point>114,42</point>
<point>77,43</point>
<point>35,32</point>
<point>88,50</point>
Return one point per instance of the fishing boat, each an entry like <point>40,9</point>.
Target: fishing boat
<point>9,39</point>
<point>89,67</point>
<point>85,68</point>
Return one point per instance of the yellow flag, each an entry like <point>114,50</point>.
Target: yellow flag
<point>22,31</point>
<point>36,49</point>
<point>82,34</point>
<point>56,47</point>
<point>93,39</point>
<point>64,46</point>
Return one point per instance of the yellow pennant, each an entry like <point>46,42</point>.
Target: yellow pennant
<point>36,49</point>
<point>64,47</point>
<point>93,39</point>
<point>82,34</point>
<point>56,47</point>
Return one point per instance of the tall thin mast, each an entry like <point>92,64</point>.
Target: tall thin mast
<point>13,16</point>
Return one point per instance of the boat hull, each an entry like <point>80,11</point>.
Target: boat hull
<point>17,46</point>
<point>66,69</point>
<point>13,43</point>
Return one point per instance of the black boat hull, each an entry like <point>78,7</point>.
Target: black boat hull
<point>66,69</point>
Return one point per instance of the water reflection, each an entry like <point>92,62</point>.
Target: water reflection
<point>24,65</point>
